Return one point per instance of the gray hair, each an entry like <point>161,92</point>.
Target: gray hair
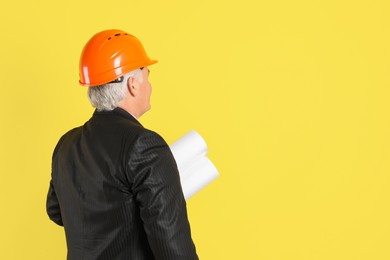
<point>106,97</point>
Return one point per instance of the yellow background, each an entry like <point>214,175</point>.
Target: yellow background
<point>292,98</point>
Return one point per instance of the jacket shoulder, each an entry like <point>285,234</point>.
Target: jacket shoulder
<point>65,136</point>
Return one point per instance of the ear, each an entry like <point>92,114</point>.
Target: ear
<point>132,86</point>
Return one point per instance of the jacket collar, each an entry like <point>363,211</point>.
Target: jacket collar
<point>119,112</point>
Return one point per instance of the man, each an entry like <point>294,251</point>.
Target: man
<point>115,186</point>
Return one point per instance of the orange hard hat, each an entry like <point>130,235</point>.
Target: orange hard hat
<point>109,55</point>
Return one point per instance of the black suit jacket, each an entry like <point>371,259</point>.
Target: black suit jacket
<point>116,190</point>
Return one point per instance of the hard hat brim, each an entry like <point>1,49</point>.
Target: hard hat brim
<point>119,72</point>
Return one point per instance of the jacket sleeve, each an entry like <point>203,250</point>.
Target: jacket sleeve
<point>157,189</point>
<point>52,206</point>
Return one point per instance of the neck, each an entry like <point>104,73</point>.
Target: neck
<point>131,107</point>
<point>131,111</point>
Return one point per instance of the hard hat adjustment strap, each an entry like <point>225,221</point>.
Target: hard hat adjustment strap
<point>118,80</point>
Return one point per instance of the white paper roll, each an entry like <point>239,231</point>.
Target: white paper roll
<point>187,148</point>
<point>195,169</point>
<point>199,175</point>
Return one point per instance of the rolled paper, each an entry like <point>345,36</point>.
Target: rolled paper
<point>199,175</point>
<point>187,148</point>
<point>195,169</point>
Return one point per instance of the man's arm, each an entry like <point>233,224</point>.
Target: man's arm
<point>157,189</point>
<point>52,206</point>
